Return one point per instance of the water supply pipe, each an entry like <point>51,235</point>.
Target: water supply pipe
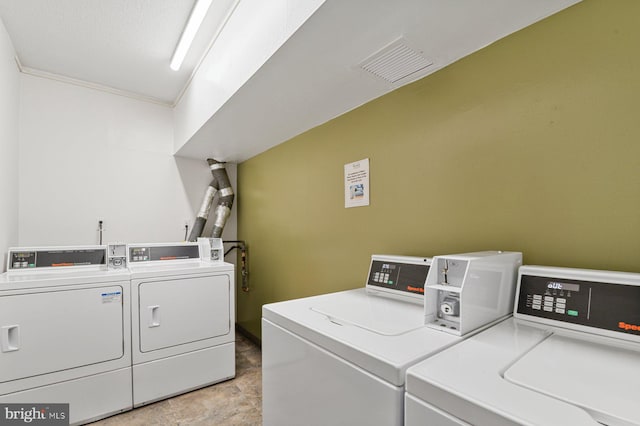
<point>244,261</point>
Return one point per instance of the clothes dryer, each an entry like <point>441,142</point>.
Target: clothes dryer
<point>570,356</point>
<point>183,320</point>
<point>341,358</point>
<point>65,331</point>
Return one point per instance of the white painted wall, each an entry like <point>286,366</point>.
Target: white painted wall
<point>253,33</point>
<point>9,105</point>
<point>87,155</point>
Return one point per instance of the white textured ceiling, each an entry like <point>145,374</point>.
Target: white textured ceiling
<point>314,77</point>
<point>122,44</point>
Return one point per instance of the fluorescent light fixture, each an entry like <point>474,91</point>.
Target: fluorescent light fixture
<point>193,25</point>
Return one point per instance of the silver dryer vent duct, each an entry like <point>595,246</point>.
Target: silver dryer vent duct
<point>219,185</point>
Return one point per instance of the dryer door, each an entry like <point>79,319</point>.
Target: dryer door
<point>51,331</point>
<point>177,311</point>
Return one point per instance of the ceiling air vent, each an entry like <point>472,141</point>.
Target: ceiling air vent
<point>396,62</point>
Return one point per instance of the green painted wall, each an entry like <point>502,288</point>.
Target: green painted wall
<point>531,144</point>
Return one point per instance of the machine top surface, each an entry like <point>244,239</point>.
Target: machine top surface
<point>373,313</point>
<point>394,300</point>
<point>178,268</point>
<point>381,335</point>
<point>381,328</point>
<point>37,279</point>
<point>601,379</point>
<point>558,363</point>
<point>42,267</point>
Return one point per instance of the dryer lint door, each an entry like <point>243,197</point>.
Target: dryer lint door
<point>178,311</point>
<point>52,331</point>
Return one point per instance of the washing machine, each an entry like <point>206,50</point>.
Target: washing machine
<point>569,356</point>
<point>341,358</point>
<point>65,331</point>
<point>183,319</point>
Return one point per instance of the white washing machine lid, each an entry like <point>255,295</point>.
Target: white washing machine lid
<point>518,373</point>
<point>382,336</point>
<point>380,315</point>
<point>179,267</point>
<point>610,389</point>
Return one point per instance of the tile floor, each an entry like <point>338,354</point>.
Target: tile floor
<point>234,402</point>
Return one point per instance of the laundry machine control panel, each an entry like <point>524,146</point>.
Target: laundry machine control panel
<point>162,252</point>
<point>402,274</point>
<point>604,301</point>
<point>22,258</point>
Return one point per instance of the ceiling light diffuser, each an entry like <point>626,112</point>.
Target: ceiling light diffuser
<point>193,25</point>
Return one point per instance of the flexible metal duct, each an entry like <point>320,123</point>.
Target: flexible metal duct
<point>219,185</point>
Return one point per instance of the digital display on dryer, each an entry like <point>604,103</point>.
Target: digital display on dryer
<point>163,253</point>
<point>56,258</point>
<point>22,260</point>
<point>139,254</point>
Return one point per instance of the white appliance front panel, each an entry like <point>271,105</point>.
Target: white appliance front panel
<point>177,311</point>
<point>421,413</point>
<point>303,384</point>
<point>177,374</point>
<point>604,380</point>
<point>90,398</point>
<point>52,331</point>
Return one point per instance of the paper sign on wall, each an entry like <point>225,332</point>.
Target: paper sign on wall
<point>356,184</point>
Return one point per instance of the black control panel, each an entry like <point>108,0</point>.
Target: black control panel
<point>29,259</point>
<point>162,253</point>
<point>607,306</point>
<point>406,277</point>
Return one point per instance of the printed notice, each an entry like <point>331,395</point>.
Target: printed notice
<point>111,297</point>
<point>356,184</point>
